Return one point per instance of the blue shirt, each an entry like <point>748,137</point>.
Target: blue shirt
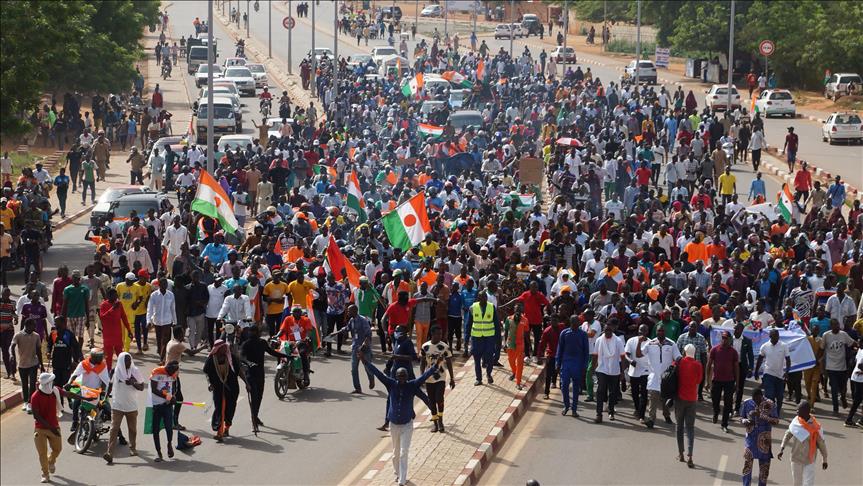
<point>837,194</point>
<point>361,330</point>
<point>455,304</point>
<point>757,189</point>
<point>400,406</point>
<point>573,348</point>
<point>231,282</point>
<point>217,253</point>
<point>404,265</point>
<point>468,297</point>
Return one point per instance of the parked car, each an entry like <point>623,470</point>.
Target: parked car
<point>717,97</point>
<point>203,71</point>
<point>776,102</point>
<point>505,31</point>
<point>838,85</point>
<point>646,71</point>
<point>519,30</point>
<point>842,126</point>
<point>99,214</point>
<point>242,77</point>
<point>557,54</point>
<point>432,11</point>
<point>531,23</point>
<point>392,11</point>
<point>259,72</point>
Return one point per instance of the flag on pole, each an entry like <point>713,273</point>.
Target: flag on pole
<point>355,197</point>
<point>399,68</point>
<point>784,205</point>
<point>457,79</point>
<point>211,200</point>
<point>426,130</point>
<point>408,224</point>
<point>337,263</point>
<point>480,70</point>
<point>413,87</point>
<point>316,339</point>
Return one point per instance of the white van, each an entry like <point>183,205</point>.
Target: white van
<point>224,120</point>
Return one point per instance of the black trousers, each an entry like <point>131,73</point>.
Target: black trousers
<point>435,392</point>
<point>255,375</point>
<point>738,396</point>
<point>838,386</point>
<point>178,405</point>
<point>794,385</point>
<point>334,323</point>
<point>453,329</point>
<point>722,391</point>
<point>230,396</point>
<point>857,398</point>
<point>211,330</point>
<point>608,390</point>
<point>550,373</point>
<point>273,322</point>
<point>639,394</point>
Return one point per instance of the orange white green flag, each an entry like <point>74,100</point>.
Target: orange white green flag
<point>211,200</point>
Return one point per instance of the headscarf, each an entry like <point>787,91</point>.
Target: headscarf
<point>220,347</point>
<point>122,373</point>
<point>689,349</point>
<point>46,382</point>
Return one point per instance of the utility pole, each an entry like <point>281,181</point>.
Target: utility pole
<point>270,37</point>
<point>730,59</point>
<point>248,18</point>
<point>445,20</point>
<point>314,55</point>
<point>210,53</point>
<point>511,29</point>
<point>565,33</point>
<point>475,14</point>
<point>335,67</point>
<point>416,12</point>
<point>637,44</point>
<point>604,21</point>
<point>290,50</point>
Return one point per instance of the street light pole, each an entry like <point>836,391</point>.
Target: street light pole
<point>270,37</point>
<point>248,18</point>
<point>565,33</point>
<point>314,55</point>
<point>335,66</point>
<point>210,53</point>
<point>290,50</point>
<point>445,21</point>
<point>637,44</point>
<point>730,59</point>
<point>511,29</point>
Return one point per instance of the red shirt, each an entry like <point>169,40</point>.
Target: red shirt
<point>642,175</point>
<point>533,302</point>
<point>689,374</point>
<point>548,341</point>
<point>398,315</point>
<point>60,283</point>
<point>45,404</point>
<point>287,328</point>
<point>113,320</point>
<point>725,360</point>
<point>791,140</point>
<point>802,180</point>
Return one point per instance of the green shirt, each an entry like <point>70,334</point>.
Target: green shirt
<point>672,329</point>
<point>76,298</point>
<point>367,301</point>
<point>88,171</point>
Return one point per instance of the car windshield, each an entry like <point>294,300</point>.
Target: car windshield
<point>122,209</point>
<point>724,91</point>
<point>847,119</point>
<point>232,144</point>
<point>385,51</point>
<point>780,95</point>
<point>256,68</point>
<point>205,68</point>
<point>221,111</point>
<point>113,194</point>
<point>238,72</point>
<point>462,120</point>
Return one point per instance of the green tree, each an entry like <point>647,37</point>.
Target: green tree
<point>595,10</point>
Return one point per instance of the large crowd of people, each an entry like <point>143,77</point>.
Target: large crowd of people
<point>633,254</point>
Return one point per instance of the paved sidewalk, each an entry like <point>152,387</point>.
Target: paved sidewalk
<point>477,418</point>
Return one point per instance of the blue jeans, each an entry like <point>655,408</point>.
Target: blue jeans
<point>163,416</point>
<point>482,349</point>
<point>570,374</point>
<point>774,389</point>
<point>141,330</point>
<point>355,363</point>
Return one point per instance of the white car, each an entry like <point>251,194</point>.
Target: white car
<point>233,142</point>
<point>842,126</point>
<point>717,97</point>
<point>557,54</point>
<point>839,83</point>
<point>776,102</point>
<point>320,51</point>
<point>259,73</point>
<point>646,71</point>
<point>275,124</point>
<point>242,77</point>
<point>431,11</point>
<point>234,61</point>
<point>223,91</point>
<point>201,74</point>
<point>519,30</point>
<point>506,31</point>
<point>381,53</point>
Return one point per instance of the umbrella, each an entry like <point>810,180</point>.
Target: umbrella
<point>569,142</point>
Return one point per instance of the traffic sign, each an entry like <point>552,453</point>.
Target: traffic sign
<point>766,47</point>
<point>289,23</point>
<point>257,6</point>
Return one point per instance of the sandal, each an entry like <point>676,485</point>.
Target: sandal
<point>689,463</point>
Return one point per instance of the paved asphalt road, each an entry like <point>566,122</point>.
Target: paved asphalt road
<point>558,450</point>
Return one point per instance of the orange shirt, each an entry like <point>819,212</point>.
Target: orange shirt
<point>717,250</point>
<point>696,252</point>
<point>290,325</point>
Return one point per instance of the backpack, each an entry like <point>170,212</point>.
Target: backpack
<point>668,385</point>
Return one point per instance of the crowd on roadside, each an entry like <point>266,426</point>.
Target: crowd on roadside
<point>395,232</point>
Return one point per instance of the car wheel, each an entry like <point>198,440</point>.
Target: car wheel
<point>830,140</point>
<point>823,138</point>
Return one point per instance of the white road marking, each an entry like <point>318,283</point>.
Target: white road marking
<point>720,470</point>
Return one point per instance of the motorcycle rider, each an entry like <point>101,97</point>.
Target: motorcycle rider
<point>266,98</point>
<point>92,372</point>
<point>166,67</point>
<point>296,328</point>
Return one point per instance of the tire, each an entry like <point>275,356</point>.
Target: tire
<point>280,383</point>
<point>84,435</point>
<point>302,384</point>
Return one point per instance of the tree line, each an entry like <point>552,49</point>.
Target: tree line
<point>85,45</point>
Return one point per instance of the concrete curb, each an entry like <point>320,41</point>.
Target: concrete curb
<point>11,400</point>
<point>495,440</point>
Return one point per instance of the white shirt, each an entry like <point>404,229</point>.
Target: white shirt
<point>92,380</point>
<point>596,329</point>
<point>857,375</point>
<point>174,239</point>
<point>217,297</point>
<point>236,309</point>
<point>608,351</point>
<point>614,208</point>
<point>123,396</point>
<point>162,309</point>
<point>638,366</point>
<point>774,358</point>
<point>840,310</point>
<point>659,358</point>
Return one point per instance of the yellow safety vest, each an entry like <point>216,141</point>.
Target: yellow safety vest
<point>483,324</point>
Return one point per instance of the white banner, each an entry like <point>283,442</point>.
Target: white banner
<point>662,54</point>
<point>802,357</point>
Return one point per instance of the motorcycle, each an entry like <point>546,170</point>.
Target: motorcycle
<point>266,107</point>
<point>728,148</point>
<point>166,70</point>
<point>95,417</point>
<point>291,374</point>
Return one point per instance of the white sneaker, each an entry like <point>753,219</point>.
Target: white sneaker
<point>24,407</point>
<point>45,479</point>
